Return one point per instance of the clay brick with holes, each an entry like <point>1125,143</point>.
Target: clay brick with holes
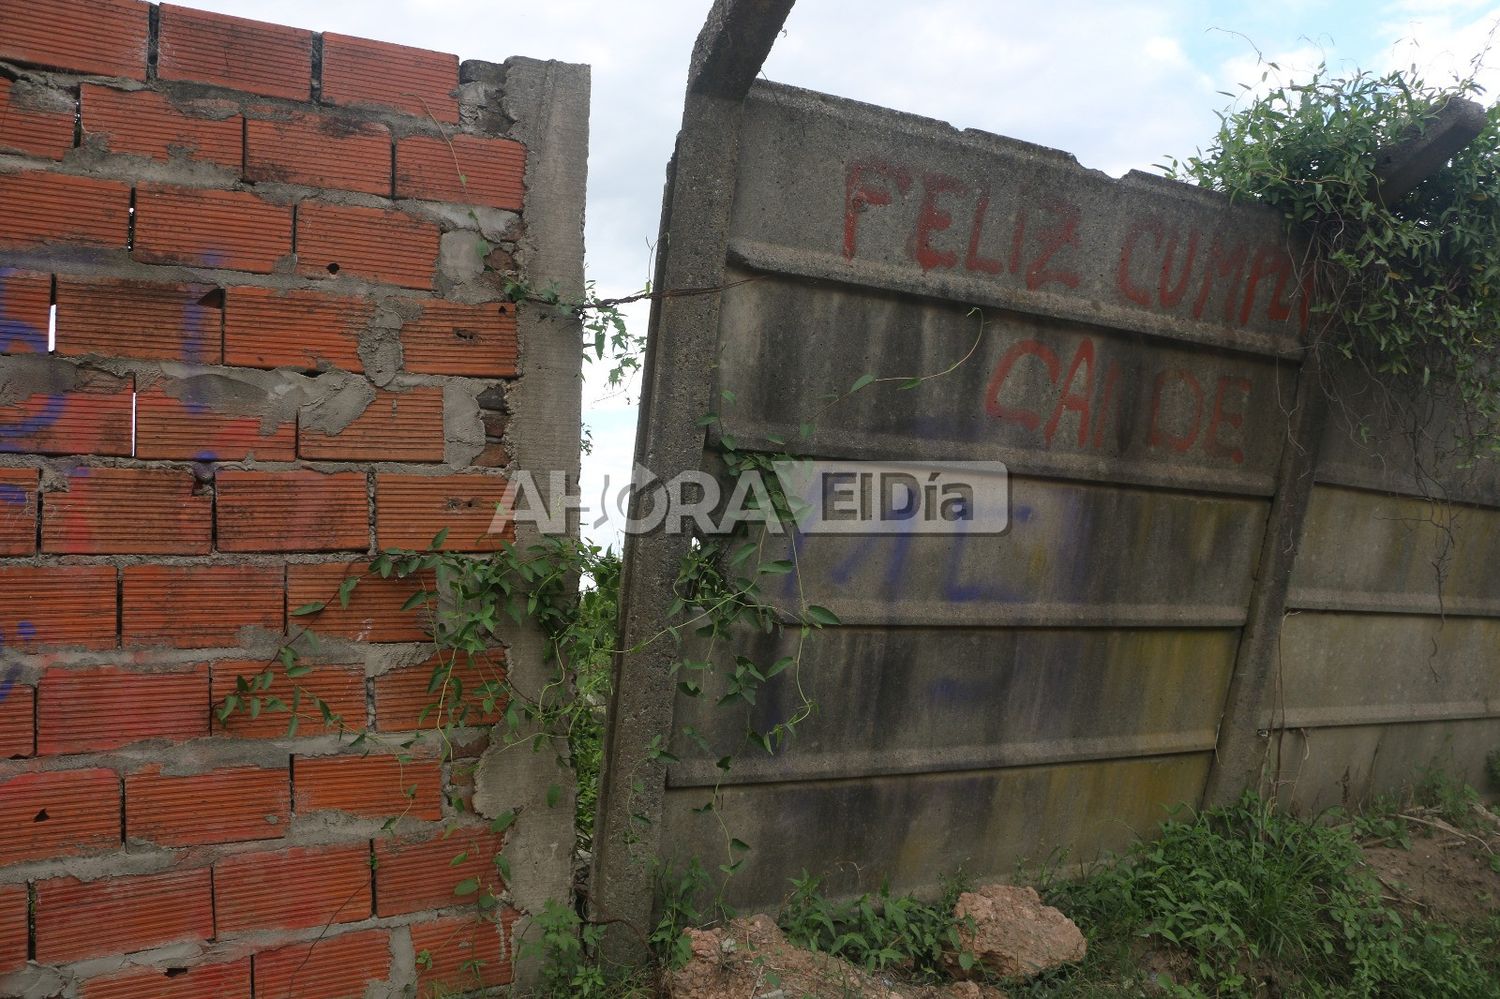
<point>292,889</point>
<point>301,511</point>
<point>448,689</point>
<point>376,606</point>
<point>41,208</point>
<point>231,229</point>
<point>78,919</point>
<point>306,330</point>
<point>413,875</point>
<point>341,688</point>
<point>17,724</point>
<point>397,426</point>
<point>18,511</point>
<point>411,510</point>
<point>467,169</point>
<point>466,953</point>
<point>227,980</point>
<point>450,338</point>
<point>228,805</point>
<point>133,705</point>
<point>267,59</point>
<point>107,37</point>
<point>320,151</point>
<point>371,243</point>
<point>112,318</point>
<point>363,72</point>
<point>55,606</point>
<point>25,307</point>
<point>183,420</point>
<point>33,122</point>
<point>378,786</point>
<point>199,606</point>
<point>59,813</point>
<point>82,412</point>
<point>141,511</point>
<point>335,967</point>
<point>146,123</point>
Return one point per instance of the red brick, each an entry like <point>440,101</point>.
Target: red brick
<point>407,698</point>
<point>292,889</point>
<point>380,786</point>
<point>91,709</point>
<point>177,421</point>
<point>296,329</point>
<point>397,426</point>
<point>59,813</point>
<point>374,613</point>
<point>370,243</point>
<point>17,728</point>
<point>318,151</point>
<point>18,511</point>
<point>81,413</point>
<point>38,208</point>
<point>171,322</point>
<point>467,169</point>
<point>342,688</point>
<point>450,338</point>
<point>230,229</point>
<point>13,927</point>
<point>199,606</point>
<point>146,123</point>
<point>229,805</point>
<point>76,919</point>
<point>411,876</point>
<point>58,606</point>
<point>360,71</point>
<point>218,981</point>
<point>463,954</point>
<point>107,37</point>
<point>268,59</point>
<point>142,511</point>
<point>332,968</point>
<point>25,308</point>
<point>34,131</point>
<point>410,510</point>
<point>299,511</point>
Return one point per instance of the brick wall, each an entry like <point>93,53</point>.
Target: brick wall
<point>246,341</point>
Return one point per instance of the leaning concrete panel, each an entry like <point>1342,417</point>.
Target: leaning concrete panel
<point>1348,767</point>
<point>1368,551</point>
<point>915,830</point>
<point>1074,554</point>
<point>1356,669</point>
<point>838,190</point>
<point>1050,396</point>
<point>948,699</point>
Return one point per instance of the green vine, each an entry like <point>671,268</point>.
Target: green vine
<point>1410,290</point>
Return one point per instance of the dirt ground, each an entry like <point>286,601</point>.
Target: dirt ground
<point>1443,876</point>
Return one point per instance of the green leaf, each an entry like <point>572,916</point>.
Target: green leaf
<point>861,382</point>
<point>821,615</point>
<point>415,600</point>
<point>502,822</point>
<point>467,886</point>
<point>438,539</point>
<point>306,609</point>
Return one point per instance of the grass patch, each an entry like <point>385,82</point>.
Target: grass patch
<point>1246,901</point>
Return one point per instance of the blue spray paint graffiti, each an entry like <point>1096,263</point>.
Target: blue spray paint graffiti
<point>26,631</point>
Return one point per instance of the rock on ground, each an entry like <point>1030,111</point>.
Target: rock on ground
<point>752,959</point>
<point>1013,934</point>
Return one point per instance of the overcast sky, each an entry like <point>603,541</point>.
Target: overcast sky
<point>1119,83</point>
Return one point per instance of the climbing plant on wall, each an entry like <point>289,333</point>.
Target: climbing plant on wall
<point>1408,289</point>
